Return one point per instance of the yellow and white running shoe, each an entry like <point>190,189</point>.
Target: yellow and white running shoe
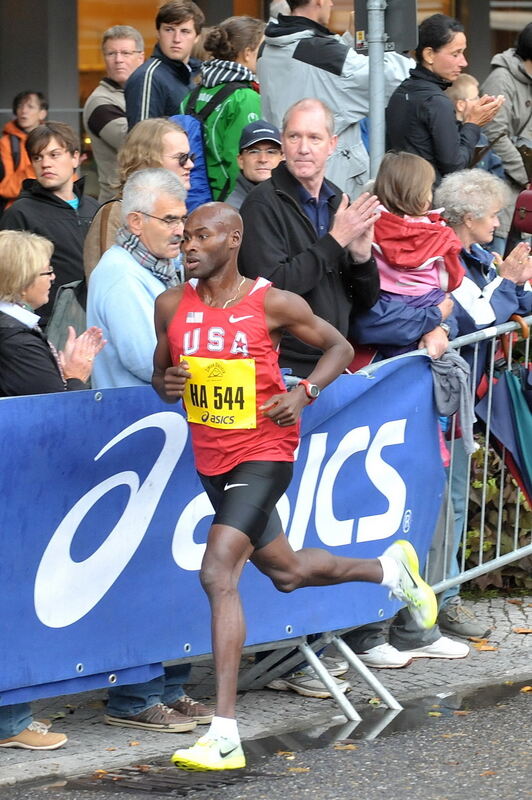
<point>210,754</point>
<point>411,588</point>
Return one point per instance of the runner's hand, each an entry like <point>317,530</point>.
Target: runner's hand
<point>175,379</point>
<point>285,409</point>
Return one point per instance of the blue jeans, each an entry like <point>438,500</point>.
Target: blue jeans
<point>14,719</point>
<point>458,495</point>
<point>128,701</point>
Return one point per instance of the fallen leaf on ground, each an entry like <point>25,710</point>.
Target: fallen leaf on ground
<point>374,701</point>
<point>516,601</point>
<point>134,744</point>
<point>479,639</point>
<point>452,735</point>
<point>522,630</point>
<point>338,746</point>
<point>434,713</point>
<point>487,772</point>
<point>110,748</point>
<point>298,769</point>
<point>461,713</point>
<point>98,773</point>
<point>143,767</point>
<point>526,689</point>
<point>482,647</point>
<point>58,715</point>
<point>284,753</point>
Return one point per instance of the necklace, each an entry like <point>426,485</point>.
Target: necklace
<point>232,299</point>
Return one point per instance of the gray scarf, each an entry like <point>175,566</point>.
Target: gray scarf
<point>163,268</point>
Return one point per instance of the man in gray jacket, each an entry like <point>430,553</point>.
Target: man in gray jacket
<point>511,76</point>
<point>302,58</point>
<point>104,113</point>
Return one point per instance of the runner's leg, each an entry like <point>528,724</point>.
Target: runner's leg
<point>227,551</point>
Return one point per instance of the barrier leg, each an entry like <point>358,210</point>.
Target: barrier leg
<point>366,674</point>
<point>347,707</point>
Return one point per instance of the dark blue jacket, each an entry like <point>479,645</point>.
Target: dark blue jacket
<point>158,86</point>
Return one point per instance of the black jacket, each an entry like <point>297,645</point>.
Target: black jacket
<point>27,365</point>
<point>421,119</point>
<point>158,86</point>
<point>281,245</point>
<point>40,211</point>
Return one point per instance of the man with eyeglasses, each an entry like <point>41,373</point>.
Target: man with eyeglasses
<point>54,204</point>
<point>104,113</point>
<point>122,292</point>
<point>259,152</point>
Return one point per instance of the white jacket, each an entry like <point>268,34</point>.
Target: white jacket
<point>301,58</point>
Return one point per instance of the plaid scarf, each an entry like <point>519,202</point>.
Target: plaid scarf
<point>163,268</point>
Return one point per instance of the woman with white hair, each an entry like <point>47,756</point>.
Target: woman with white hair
<point>490,292</point>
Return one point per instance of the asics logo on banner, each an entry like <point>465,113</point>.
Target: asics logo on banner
<point>66,590</point>
<point>239,319</point>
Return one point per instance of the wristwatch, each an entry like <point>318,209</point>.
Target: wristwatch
<point>312,391</point>
<point>446,328</point>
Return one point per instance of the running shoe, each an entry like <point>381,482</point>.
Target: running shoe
<point>210,754</point>
<point>411,588</point>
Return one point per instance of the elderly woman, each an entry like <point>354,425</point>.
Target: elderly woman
<point>29,365</point>
<point>488,295</point>
<point>151,143</point>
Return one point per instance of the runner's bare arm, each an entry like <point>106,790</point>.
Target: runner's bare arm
<point>167,380</point>
<point>288,311</point>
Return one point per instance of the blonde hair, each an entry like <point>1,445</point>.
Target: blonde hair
<point>143,147</point>
<point>457,90</point>
<point>23,255</point>
<point>404,183</point>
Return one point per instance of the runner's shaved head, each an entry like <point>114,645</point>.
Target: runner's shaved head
<point>216,214</point>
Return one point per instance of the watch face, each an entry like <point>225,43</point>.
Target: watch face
<point>313,390</point>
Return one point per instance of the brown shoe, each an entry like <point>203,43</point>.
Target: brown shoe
<point>35,737</point>
<point>193,709</point>
<point>156,718</point>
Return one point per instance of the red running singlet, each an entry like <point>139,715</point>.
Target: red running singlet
<point>234,368</point>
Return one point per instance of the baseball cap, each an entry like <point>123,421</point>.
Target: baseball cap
<point>258,131</point>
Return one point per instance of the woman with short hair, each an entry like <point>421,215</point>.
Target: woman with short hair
<point>30,365</point>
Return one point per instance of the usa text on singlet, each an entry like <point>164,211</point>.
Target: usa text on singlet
<point>234,368</point>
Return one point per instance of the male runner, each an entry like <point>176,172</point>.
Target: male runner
<point>217,339</point>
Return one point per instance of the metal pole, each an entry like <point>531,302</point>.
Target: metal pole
<point>376,38</point>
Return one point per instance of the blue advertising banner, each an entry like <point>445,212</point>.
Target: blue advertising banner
<point>103,523</point>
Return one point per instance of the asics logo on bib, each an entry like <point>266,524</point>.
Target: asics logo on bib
<point>67,589</point>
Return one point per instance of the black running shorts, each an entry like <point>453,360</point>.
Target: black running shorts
<point>245,498</point>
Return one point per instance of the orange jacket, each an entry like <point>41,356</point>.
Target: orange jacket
<point>11,184</point>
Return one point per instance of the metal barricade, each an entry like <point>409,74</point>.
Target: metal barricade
<point>502,544</point>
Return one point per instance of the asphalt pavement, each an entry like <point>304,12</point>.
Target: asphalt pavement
<point>95,746</point>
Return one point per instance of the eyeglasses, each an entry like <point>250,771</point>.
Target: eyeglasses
<point>123,53</point>
<point>271,151</point>
<point>50,272</point>
<point>170,222</point>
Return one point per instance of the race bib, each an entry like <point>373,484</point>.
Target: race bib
<point>221,393</point>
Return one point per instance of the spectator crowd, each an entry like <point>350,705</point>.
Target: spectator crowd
<point>266,118</point>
